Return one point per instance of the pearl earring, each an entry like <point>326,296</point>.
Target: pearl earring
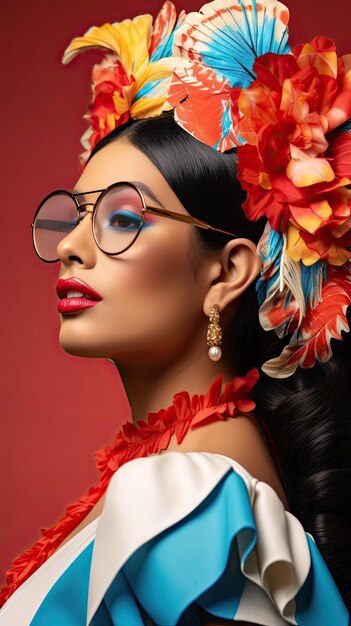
<point>214,334</point>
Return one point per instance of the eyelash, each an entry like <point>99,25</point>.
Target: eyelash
<point>133,217</point>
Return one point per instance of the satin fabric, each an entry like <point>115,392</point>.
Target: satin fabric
<point>179,529</point>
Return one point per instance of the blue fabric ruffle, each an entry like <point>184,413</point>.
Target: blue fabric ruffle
<point>197,560</point>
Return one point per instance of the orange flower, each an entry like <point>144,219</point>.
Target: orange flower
<point>294,168</point>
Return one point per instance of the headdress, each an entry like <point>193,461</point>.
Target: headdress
<point>237,83</point>
<point>133,80</point>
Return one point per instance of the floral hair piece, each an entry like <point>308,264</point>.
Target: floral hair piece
<point>234,82</point>
<point>133,79</point>
<point>287,112</point>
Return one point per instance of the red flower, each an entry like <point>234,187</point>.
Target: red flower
<point>293,167</point>
<point>109,79</point>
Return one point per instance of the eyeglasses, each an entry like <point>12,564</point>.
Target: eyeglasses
<point>117,219</point>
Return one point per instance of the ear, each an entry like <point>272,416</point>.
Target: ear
<point>231,273</point>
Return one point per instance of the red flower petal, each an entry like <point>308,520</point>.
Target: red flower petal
<point>273,69</point>
<point>340,152</point>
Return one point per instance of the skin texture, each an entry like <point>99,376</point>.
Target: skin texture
<point>153,318</point>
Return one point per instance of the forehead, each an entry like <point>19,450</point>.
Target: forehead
<point>121,161</point>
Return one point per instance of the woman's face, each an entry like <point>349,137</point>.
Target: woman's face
<point>151,305</point>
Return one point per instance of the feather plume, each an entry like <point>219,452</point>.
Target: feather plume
<point>278,289</point>
<point>311,341</point>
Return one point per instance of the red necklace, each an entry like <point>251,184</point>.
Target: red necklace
<point>133,441</point>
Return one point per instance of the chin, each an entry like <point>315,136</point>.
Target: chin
<point>79,350</point>
<point>79,344</point>
<point>84,342</point>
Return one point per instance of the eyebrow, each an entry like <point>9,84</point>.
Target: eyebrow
<point>142,186</point>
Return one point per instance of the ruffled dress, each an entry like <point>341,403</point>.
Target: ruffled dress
<point>179,533</point>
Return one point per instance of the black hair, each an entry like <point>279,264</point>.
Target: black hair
<point>306,418</point>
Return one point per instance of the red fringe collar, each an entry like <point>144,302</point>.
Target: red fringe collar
<point>133,441</point>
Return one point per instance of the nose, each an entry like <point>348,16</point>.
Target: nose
<point>79,245</point>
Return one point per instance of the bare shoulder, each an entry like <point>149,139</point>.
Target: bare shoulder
<point>240,439</point>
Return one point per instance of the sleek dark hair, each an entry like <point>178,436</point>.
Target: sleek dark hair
<point>306,418</point>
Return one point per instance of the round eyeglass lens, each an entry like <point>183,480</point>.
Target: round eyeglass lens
<point>118,218</point>
<point>56,217</point>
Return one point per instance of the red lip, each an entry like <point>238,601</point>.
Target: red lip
<point>72,305</point>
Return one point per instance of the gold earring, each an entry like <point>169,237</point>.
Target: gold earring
<point>214,334</point>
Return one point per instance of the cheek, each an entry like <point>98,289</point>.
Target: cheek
<point>157,277</point>
<point>158,269</point>
<point>152,298</point>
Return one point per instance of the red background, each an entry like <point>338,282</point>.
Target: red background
<point>56,410</point>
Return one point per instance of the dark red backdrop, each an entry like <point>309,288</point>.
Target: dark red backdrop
<point>56,409</point>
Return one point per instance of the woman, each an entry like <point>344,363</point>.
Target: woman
<point>200,519</point>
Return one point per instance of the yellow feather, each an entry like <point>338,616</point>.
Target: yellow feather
<point>147,107</point>
<point>128,39</point>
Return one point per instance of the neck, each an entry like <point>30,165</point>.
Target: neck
<point>151,387</point>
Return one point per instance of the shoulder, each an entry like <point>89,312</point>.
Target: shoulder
<point>240,439</point>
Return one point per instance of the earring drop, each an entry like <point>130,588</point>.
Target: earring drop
<point>214,334</point>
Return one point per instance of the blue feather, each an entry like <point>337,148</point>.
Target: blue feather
<point>310,279</point>
<point>164,49</point>
<point>275,247</point>
<point>145,90</point>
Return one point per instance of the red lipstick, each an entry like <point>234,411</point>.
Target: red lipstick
<point>85,298</point>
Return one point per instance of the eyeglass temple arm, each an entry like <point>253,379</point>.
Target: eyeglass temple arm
<point>56,225</point>
<point>188,219</point>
